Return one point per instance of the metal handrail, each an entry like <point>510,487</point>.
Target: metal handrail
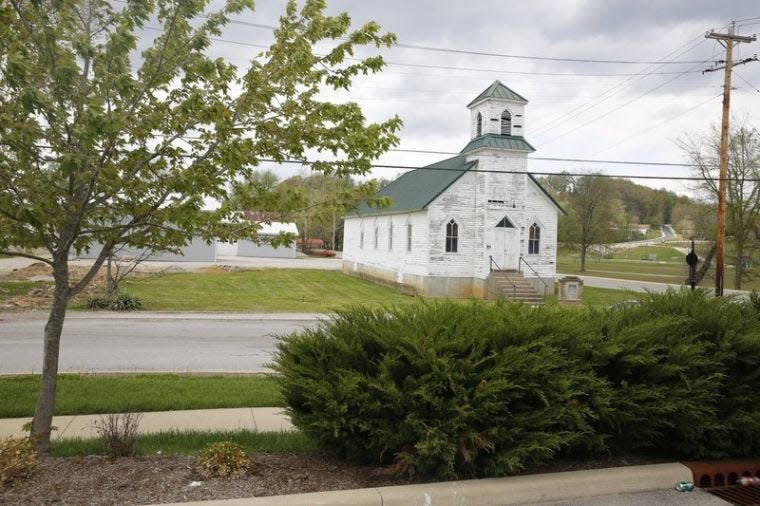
<point>523,261</point>
<point>491,265</point>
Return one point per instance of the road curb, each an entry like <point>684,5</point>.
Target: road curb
<point>166,315</point>
<point>537,488</point>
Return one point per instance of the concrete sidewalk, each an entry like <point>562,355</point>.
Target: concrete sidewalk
<point>82,426</point>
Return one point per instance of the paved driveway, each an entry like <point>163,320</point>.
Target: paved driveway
<point>107,342</point>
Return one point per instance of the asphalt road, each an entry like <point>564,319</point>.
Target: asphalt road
<point>104,342</point>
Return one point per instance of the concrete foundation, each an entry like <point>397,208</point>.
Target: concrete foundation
<point>412,284</point>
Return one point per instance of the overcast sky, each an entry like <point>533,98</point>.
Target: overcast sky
<point>633,112</point>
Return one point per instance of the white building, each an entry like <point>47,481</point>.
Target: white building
<point>266,234</point>
<point>473,225</point>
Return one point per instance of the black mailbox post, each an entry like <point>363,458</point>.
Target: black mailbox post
<point>692,259</point>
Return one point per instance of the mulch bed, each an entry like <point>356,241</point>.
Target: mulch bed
<point>161,479</point>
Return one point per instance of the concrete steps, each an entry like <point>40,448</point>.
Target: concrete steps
<point>511,285</point>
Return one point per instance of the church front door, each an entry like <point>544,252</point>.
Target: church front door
<point>506,251</point>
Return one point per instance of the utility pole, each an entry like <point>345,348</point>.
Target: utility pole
<point>727,40</point>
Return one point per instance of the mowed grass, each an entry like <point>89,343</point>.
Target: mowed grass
<point>92,394</point>
<point>668,266</point>
<point>189,443</point>
<point>265,290</point>
<point>601,297</point>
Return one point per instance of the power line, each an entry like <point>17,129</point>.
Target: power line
<point>597,118</point>
<point>540,158</point>
<point>488,53</point>
<point>414,167</point>
<point>480,52</point>
<point>539,173</point>
<point>746,19</point>
<point>454,67</point>
<point>618,88</point>
<point>662,123</point>
<point>551,159</point>
<point>746,82</point>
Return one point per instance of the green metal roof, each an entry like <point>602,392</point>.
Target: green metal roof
<point>498,90</point>
<point>417,188</point>
<point>511,142</point>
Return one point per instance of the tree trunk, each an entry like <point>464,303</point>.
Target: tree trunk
<point>110,279</point>
<point>705,264</point>
<point>43,412</point>
<point>739,266</point>
<point>584,247</point>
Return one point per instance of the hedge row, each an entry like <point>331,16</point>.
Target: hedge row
<point>463,390</point>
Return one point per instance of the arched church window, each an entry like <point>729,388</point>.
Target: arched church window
<point>479,125</point>
<point>534,239</point>
<point>452,236</point>
<point>506,123</point>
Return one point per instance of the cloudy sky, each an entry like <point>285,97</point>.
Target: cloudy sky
<point>580,110</point>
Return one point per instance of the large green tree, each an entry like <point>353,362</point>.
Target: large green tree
<point>102,145</point>
<point>742,186</point>
<point>593,214</point>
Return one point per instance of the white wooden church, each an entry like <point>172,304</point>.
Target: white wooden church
<point>475,225</point>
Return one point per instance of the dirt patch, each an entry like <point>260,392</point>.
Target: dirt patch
<point>218,269</point>
<point>35,269</point>
<point>161,479</point>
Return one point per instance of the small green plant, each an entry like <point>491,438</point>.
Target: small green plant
<point>119,433</point>
<point>98,302</point>
<point>118,302</point>
<point>222,460</point>
<point>18,459</point>
<point>126,302</point>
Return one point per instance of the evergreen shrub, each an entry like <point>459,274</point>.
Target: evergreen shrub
<point>456,390</point>
<point>446,389</point>
<point>684,369</point>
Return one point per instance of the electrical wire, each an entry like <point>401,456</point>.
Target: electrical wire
<point>597,118</point>
<point>421,47</point>
<point>453,67</point>
<point>541,158</point>
<point>746,82</point>
<point>616,89</point>
<point>659,125</point>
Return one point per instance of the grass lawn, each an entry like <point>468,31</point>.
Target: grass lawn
<point>172,443</point>
<point>265,290</point>
<point>668,265</point>
<point>88,394</point>
<point>10,289</point>
<point>600,297</point>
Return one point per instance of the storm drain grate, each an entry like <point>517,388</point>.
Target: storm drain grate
<point>720,478</point>
<point>737,494</point>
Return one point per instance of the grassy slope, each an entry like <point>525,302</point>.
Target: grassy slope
<point>10,289</point>
<point>86,394</point>
<point>266,290</point>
